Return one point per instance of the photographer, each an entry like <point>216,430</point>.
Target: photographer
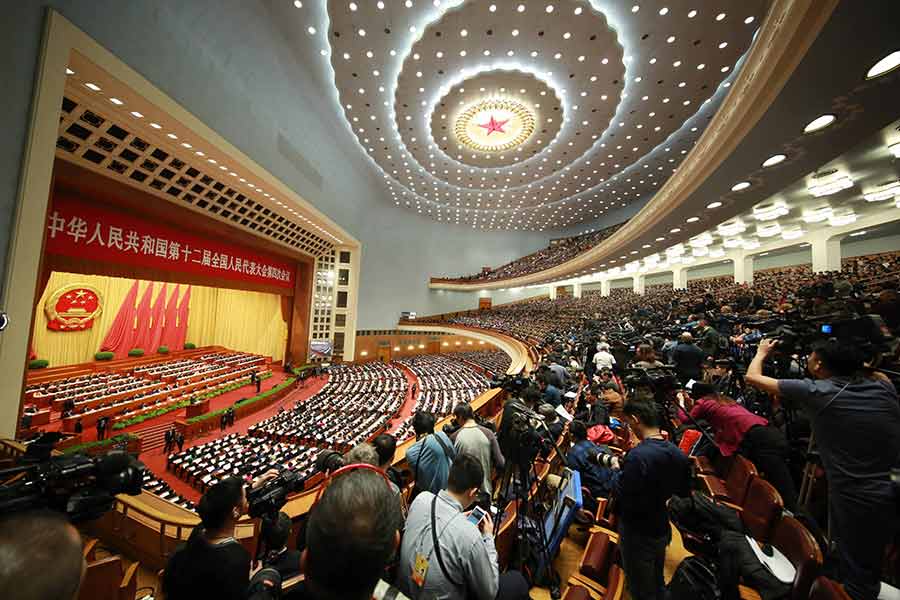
<point>431,456</point>
<point>652,472</point>
<point>213,563</point>
<point>855,419</point>
<point>478,441</point>
<point>596,464</point>
<point>274,537</point>
<point>688,359</point>
<point>739,430</point>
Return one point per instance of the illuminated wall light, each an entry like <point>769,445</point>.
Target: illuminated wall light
<point>895,149</point>
<point>841,217</point>
<point>364,353</point>
<point>69,71</point>
<point>733,242</point>
<point>445,344</point>
<point>410,347</point>
<point>768,230</point>
<point>770,210</point>
<point>469,343</point>
<point>421,346</point>
<point>817,215</point>
<point>396,348</point>
<point>831,184</point>
<point>742,185</point>
<point>792,232</point>
<point>884,192</point>
<point>731,228</point>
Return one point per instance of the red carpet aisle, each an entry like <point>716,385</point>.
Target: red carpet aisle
<point>407,408</point>
<point>155,460</point>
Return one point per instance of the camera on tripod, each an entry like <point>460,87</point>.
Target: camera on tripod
<point>80,486</point>
<point>512,384</point>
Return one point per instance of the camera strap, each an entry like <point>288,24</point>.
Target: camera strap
<point>436,544</point>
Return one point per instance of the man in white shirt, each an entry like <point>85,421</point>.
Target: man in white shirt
<point>603,359</point>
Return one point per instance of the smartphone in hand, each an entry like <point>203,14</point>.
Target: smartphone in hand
<point>476,516</point>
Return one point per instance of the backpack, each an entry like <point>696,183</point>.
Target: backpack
<point>694,579</point>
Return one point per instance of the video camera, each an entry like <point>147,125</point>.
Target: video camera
<point>80,486</point>
<point>268,499</point>
<point>512,384</point>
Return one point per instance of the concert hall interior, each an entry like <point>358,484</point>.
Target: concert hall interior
<point>290,285</point>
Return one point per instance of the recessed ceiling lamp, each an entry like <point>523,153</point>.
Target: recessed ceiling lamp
<point>819,123</point>
<point>884,192</point>
<point>731,228</point>
<point>692,219</point>
<point>817,215</point>
<point>885,65</point>
<point>69,71</point>
<point>774,160</point>
<point>716,252</point>
<point>895,149</point>
<point>733,242</point>
<point>768,230</point>
<point>829,182</point>
<point>770,210</point>
<point>136,114</point>
<point>92,86</point>
<point>842,216</point>
<point>713,205</point>
<point>751,244</point>
<point>791,232</point>
<point>742,185</point>
<point>858,233</point>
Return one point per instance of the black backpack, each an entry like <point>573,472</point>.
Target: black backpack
<point>694,579</point>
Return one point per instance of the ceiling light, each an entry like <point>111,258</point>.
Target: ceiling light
<point>895,149</point>
<point>723,45</point>
<point>748,20</point>
<point>742,185</point>
<point>92,86</point>
<point>817,215</point>
<point>885,65</point>
<point>731,228</point>
<point>712,205</point>
<point>884,192</point>
<point>549,8</point>
<point>858,233</point>
<point>298,4</point>
<point>69,71</point>
<point>701,66</point>
<point>774,160</point>
<point>635,8</point>
<point>521,8</point>
<point>827,184</point>
<point>770,210</point>
<point>819,123</point>
<point>353,6</point>
<point>136,114</point>
<point>842,216</point>
<point>670,39</point>
<point>692,14</point>
<point>515,32</point>
<point>768,230</point>
<point>155,125</point>
<point>692,219</point>
<point>492,8</point>
<point>720,16</point>
<point>675,230</point>
<point>578,10</point>
<point>792,232</point>
<point>311,30</point>
<point>663,11</point>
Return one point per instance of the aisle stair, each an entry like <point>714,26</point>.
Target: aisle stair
<point>154,437</point>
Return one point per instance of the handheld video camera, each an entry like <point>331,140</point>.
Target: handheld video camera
<point>268,499</point>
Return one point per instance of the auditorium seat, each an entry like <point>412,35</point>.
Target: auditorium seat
<point>598,556</point>
<point>733,488</point>
<point>826,589</point>
<point>89,549</point>
<point>793,540</point>
<point>580,587</point>
<point>762,509</point>
<point>107,578</point>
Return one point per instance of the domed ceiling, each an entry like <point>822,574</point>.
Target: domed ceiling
<point>524,114</point>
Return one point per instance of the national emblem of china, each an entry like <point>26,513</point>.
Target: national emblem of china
<point>73,308</point>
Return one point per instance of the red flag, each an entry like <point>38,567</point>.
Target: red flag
<point>121,332</point>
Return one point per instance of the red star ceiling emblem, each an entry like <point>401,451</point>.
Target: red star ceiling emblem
<point>494,125</point>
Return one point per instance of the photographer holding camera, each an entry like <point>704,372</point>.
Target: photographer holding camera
<point>595,463</point>
<point>213,563</point>
<point>855,418</point>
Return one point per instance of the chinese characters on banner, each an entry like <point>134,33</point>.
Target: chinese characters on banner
<point>83,230</point>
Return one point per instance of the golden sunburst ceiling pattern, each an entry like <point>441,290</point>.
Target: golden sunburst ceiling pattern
<point>586,106</point>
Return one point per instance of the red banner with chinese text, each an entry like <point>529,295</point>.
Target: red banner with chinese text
<point>82,230</point>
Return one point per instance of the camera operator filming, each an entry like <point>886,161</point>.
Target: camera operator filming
<point>855,417</point>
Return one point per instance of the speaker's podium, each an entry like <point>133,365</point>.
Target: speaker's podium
<point>200,408</point>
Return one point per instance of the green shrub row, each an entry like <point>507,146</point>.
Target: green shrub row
<point>208,395</point>
<point>136,352</point>
<point>122,438</point>
<point>38,363</point>
<point>190,346</point>
<point>162,350</point>
<point>150,415</point>
<point>104,356</point>
<point>287,382</point>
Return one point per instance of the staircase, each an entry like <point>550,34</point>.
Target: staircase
<point>154,437</point>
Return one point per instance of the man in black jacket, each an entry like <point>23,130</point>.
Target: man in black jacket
<point>275,536</point>
<point>688,359</point>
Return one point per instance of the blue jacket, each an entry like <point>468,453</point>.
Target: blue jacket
<point>599,480</point>
<point>430,463</point>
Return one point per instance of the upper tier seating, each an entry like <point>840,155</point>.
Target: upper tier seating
<point>557,253</point>
<point>495,362</point>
